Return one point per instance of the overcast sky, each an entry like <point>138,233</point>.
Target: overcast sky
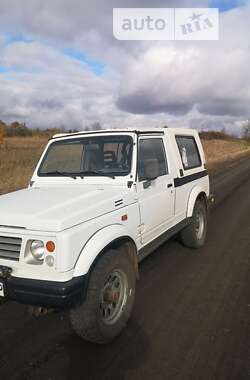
<point>61,66</point>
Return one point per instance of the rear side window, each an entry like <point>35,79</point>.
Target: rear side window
<point>151,149</point>
<point>189,152</point>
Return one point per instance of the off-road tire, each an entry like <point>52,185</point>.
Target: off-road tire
<point>189,236</point>
<point>86,319</point>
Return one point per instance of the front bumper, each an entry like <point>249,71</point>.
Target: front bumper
<point>45,293</point>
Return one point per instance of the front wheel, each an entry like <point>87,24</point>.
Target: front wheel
<point>109,300</point>
<point>194,235</point>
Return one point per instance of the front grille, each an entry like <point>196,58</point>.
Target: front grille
<point>10,247</point>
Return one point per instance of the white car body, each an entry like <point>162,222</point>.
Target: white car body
<point>83,216</point>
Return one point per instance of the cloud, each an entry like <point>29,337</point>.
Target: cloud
<point>47,88</point>
<point>174,78</point>
<point>64,67</point>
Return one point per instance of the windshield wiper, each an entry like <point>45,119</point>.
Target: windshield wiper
<point>79,174</point>
<point>59,173</point>
<point>94,173</point>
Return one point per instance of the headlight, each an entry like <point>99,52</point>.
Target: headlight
<point>37,249</point>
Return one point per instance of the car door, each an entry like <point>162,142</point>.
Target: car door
<point>156,197</point>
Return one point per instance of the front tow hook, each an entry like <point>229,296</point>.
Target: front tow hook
<point>5,272</point>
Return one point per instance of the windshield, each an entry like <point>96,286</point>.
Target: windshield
<point>109,155</point>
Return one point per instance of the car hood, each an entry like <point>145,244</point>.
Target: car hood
<point>58,208</point>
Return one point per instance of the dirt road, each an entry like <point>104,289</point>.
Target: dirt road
<point>191,318</point>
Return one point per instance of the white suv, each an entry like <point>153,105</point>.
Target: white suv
<point>97,204</point>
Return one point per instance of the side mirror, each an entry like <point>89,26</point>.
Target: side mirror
<point>151,171</point>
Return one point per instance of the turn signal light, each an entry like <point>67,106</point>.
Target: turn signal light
<point>50,246</point>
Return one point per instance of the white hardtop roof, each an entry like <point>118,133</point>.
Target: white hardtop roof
<point>127,130</point>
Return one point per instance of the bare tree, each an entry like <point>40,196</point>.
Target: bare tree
<point>95,126</point>
<point>246,130</point>
<point>2,131</point>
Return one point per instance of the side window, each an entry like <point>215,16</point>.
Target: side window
<point>189,152</point>
<point>151,151</point>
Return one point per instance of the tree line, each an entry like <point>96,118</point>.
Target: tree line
<point>17,129</point>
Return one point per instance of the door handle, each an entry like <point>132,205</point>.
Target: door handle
<point>169,185</point>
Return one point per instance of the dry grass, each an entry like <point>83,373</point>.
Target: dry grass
<point>219,151</point>
<point>18,158</point>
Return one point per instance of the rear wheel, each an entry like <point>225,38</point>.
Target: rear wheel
<point>194,235</point>
<point>109,301</point>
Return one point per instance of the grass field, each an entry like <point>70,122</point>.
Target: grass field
<point>18,158</point>
<point>222,151</point>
